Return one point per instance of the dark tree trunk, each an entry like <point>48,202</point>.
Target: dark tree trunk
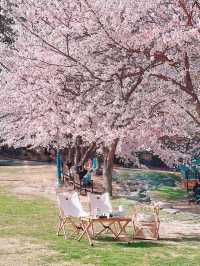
<point>78,145</point>
<point>77,155</point>
<point>88,152</point>
<point>107,174</point>
<point>70,156</point>
<point>108,154</point>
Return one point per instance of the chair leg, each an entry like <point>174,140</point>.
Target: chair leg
<point>86,227</point>
<point>62,227</point>
<point>59,226</point>
<point>76,228</point>
<point>157,230</point>
<point>64,231</point>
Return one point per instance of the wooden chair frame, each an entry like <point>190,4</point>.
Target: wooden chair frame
<point>70,213</point>
<point>152,227</point>
<point>64,220</point>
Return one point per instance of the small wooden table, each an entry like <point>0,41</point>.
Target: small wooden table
<point>89,222</point>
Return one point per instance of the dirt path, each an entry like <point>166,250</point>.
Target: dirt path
<point>27,181</point>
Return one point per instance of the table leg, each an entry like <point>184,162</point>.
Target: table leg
<point>112,231</point>
<point>122,229</point>
<point>107,227</point>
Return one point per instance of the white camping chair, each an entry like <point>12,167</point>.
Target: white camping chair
<point>99,205</point>
<point>99,202</point>
<point>71,211</point>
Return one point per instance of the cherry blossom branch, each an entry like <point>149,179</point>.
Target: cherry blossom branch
<point>167,78</point>
<point>193,117</point>
<point>56,50</point>
<point>188,14</point>
<point>103,27</point>
<point>5,67</point>
<point>151,112</point>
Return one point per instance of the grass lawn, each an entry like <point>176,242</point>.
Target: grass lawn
<point>170,193</point>
<point>154,179</point>
<point>37,219</point>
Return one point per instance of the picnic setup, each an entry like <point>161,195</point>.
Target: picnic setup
<point>99,132</point>
<point>101,215</point>
<point>98,218</point>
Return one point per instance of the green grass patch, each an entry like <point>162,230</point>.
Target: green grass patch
<point>170,193</point>
<point>37,218</point>
<point>153,179</point>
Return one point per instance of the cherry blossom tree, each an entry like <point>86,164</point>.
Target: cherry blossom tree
<point>177,47</point>
<point>83,68</point>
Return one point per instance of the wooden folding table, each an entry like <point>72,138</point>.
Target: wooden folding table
<point>89,223</point>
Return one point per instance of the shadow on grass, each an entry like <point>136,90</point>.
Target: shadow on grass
<point>128,243</point>
<point>131,243</point>
<point>141,244</point>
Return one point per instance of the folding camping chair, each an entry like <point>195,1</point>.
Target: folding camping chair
<point>71,212</point>
<point>146,222</point>
<point>99,202</point>
<point>99,205</point>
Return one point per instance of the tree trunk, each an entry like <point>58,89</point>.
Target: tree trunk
<point>78,145</point>
<point>88,152</point>
<point>109,153</point>
<point>70,155</point>
<point>77,155</point>
<point>107,174</point>
<point>80,154</point>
